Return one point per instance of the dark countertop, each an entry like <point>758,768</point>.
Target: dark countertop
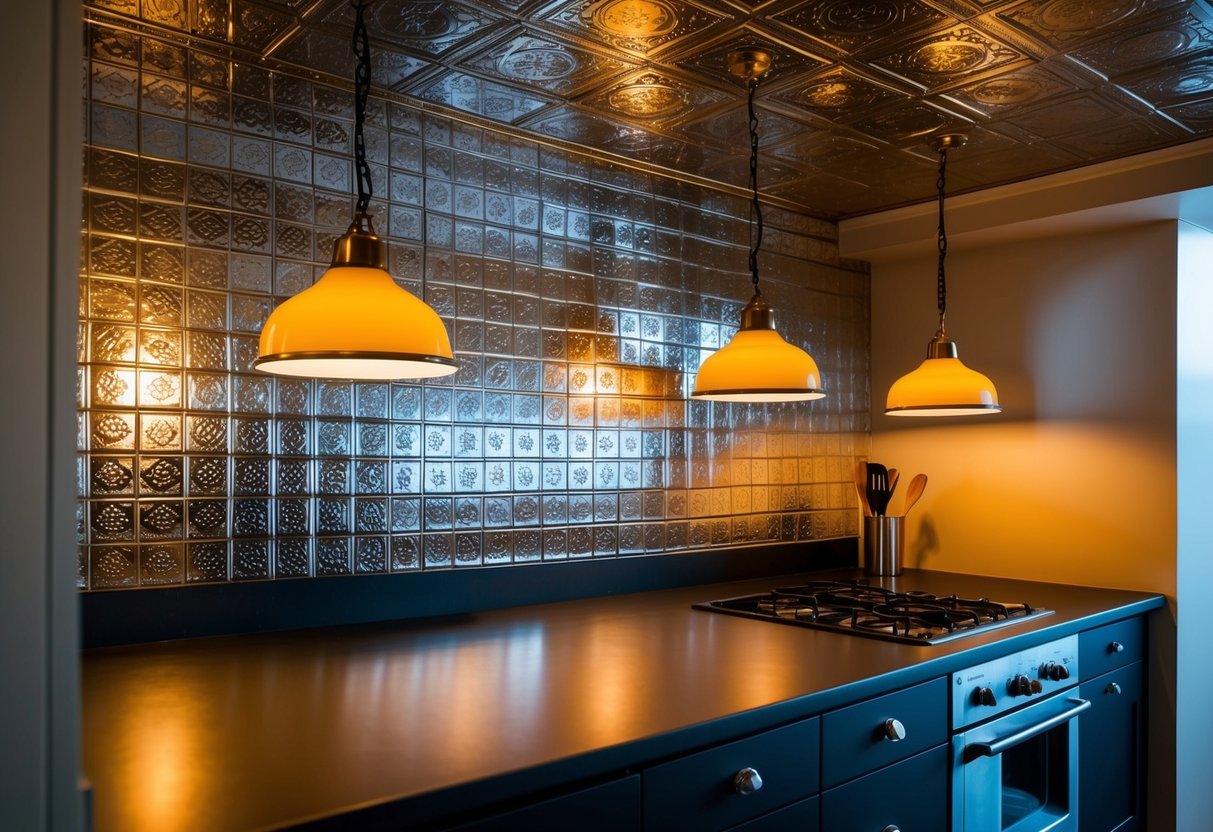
<point>419,719</point>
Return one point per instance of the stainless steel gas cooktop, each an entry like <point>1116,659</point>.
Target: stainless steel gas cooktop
<point>876,612</point>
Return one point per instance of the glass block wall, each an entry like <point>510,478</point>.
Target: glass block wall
<point>580,297</point>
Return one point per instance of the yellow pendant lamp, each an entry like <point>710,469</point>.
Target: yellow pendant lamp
<point>757,365</point>
<point>942,385</point>
<point>355,322</point>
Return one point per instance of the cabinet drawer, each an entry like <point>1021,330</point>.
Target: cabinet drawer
<point>698,793</point>
<point>1111,784</point>
<point>799,817</point>
<point>1097,649</point>
<point>610,807</point>
<point>911,795</point>
<point>854,739</point>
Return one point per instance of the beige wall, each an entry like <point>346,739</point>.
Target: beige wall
<point>1075,481</point>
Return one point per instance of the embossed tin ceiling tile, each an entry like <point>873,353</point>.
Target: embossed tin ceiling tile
<point>850,26</point>
<point>980,141</point>
<point>1198,115</point>
<point>395,70</point>
<point>645,27</point>
<point>712,61</point>
<point>828,195</point>
<point>572,125</point>
<point>837,94</point>
<point>483,98</point>
<point>771,173</point>
<point>1063,23</point>
<point>947,57</point>
<point>1169,37</point>
<point>1067,115</point>
<point>1122,139</point>
<point>318,51</point>
<point>542,61</point>
<point>256,27</point>
<point>1017,88</point>
<point>1175,83</point>
<point>1021,162</point>
<point>828,151</point>
<point>432,27</point>
<point>905,121</point>
<point>729,127</point>
<point>652,97</point>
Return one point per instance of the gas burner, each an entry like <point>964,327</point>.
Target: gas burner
<point>911,617</point>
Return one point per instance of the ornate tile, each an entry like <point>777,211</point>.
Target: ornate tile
<point>850,26</point>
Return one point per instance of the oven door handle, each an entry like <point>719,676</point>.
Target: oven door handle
<point>997,746</point>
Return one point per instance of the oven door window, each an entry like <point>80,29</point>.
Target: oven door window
<point>1033,781</point>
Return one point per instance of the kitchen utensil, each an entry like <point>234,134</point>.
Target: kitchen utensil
<point>878,487</point>
<point>861,486</point>
<point>894,475</point>
<point>917,486</point>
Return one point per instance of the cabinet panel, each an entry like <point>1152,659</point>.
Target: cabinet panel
<point>611,807</point>
<point>854,739</point>
<point>1110,783</point>
<point>1107,648</point>
<point>799,817</point>
<point>698,793</point>
<point>911,795</point>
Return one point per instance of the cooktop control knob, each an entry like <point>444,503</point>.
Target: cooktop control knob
<point>1035,687</point>
<point>1019,685</point>
<point>984,696</point>
<point>1055,671</point>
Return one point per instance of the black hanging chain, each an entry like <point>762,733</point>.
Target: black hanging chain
<point>942,286</point>
<point>757,207</point>
<point>362,91</point>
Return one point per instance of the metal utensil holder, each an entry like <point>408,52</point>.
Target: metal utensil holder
<point>884,538</point>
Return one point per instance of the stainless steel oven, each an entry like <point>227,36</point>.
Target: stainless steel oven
<point>1015,742</point>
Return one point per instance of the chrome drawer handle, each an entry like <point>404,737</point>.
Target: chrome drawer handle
<point>747,781</point>
<point>1116,647</point>
<point>1112,688</point>
<point>892,827</point>
<point>893,730</point>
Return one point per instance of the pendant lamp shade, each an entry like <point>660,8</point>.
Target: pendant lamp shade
<point>355,322</point>
<point>942,385</point>
<point>757,365</point>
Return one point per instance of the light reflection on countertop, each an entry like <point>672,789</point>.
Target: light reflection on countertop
<point>257,731</point>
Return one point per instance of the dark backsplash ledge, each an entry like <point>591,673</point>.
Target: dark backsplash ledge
<point>581,297</point>
<point>118,618</point>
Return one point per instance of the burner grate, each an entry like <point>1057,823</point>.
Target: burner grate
<point>864,609</point>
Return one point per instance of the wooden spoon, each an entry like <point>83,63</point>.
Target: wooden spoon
<point>917,486</point>
<point>861,486</point>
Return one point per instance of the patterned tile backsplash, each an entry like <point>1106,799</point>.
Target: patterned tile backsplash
<point>580,296</point>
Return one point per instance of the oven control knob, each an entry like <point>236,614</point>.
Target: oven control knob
<point>1020,685</point>
<point>1055,671</point>
<point>984,696</point>
<point>893,730</point>
<point>747,781</point>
